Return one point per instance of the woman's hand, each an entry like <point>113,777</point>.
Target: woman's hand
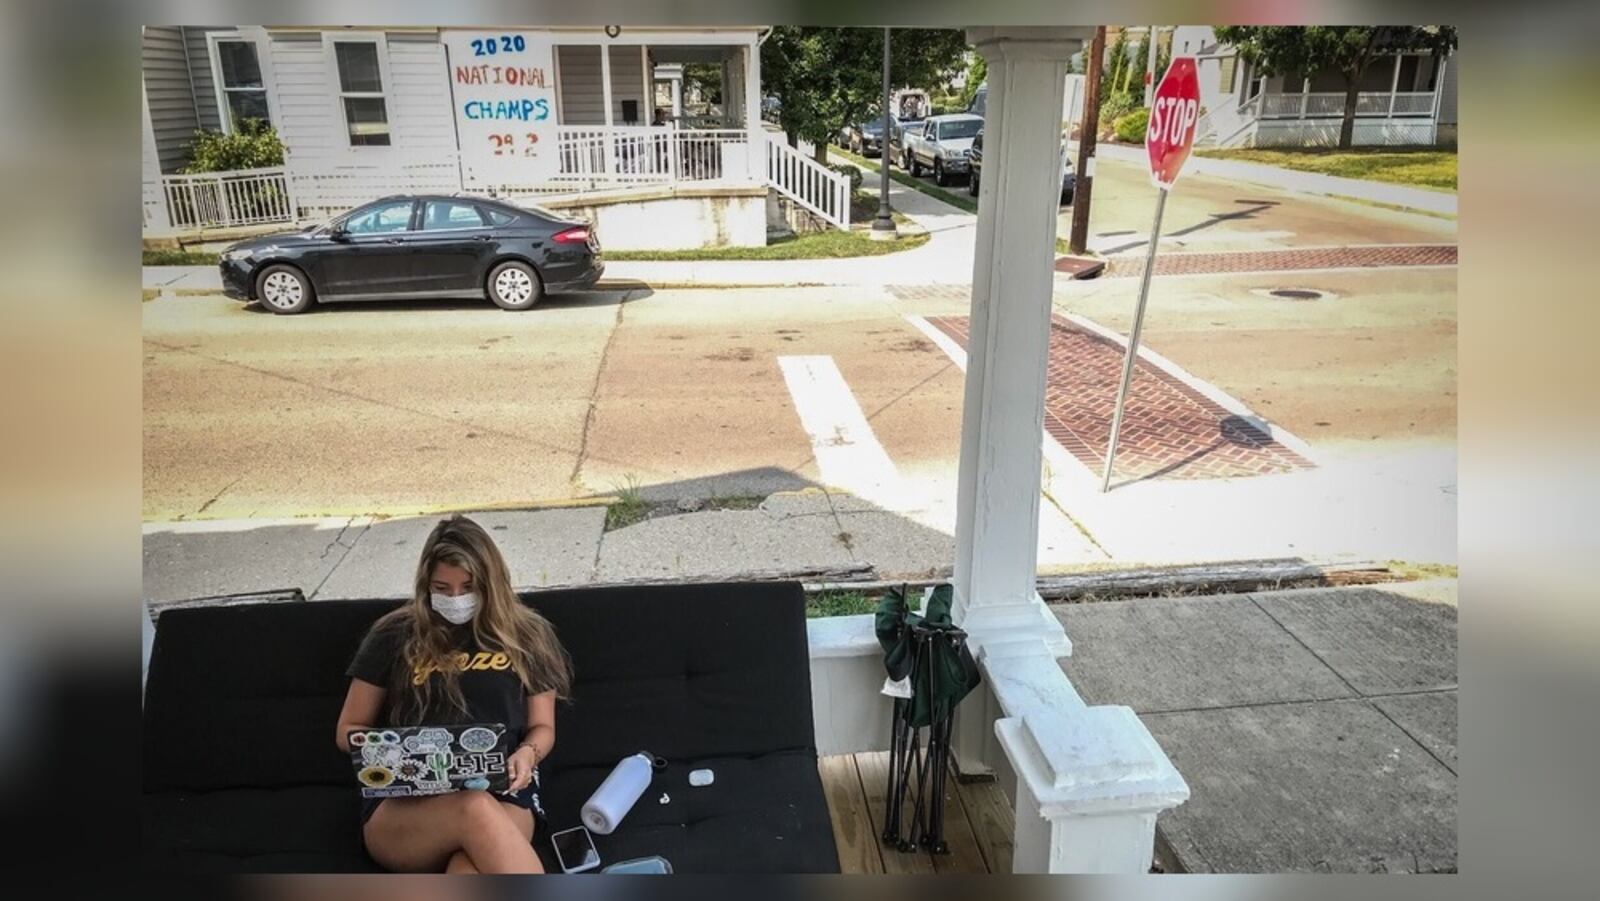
<point>520,766</point>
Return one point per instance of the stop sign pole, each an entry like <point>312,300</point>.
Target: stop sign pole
<point>1174,114</point>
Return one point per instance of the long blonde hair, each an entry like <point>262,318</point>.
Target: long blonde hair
<point>503,623</point>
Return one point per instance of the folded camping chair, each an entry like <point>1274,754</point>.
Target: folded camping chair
<point>930,670</point>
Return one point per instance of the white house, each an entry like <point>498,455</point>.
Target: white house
<point>1405,99</point>
<point>586,119</point>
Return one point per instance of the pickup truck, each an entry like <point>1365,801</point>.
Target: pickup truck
<point>942,145</point>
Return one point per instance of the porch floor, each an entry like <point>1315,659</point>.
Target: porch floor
<point>978,821</point>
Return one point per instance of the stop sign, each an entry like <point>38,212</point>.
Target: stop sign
<point>1174,112</point>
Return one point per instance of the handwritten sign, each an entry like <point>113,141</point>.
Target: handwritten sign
<point>503,88</point>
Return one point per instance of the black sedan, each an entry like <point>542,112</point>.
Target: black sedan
<point>1068,179</point>
<point>417,247</point>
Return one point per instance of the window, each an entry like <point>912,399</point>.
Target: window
<point>380,218</point>
<point>366,113</point>
<point>240,89</point>
<point>499,218</point>
<point>959,128</point>
<point>442,214</point>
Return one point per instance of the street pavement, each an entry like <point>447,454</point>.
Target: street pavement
<point>1316,728</point>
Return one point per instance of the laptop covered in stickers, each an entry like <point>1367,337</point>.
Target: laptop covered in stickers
<point>413,761</point>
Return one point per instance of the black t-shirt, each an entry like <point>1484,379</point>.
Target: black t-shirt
<point>489,683</point>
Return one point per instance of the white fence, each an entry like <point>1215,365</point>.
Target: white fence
<point>613,156</point>
<point>800,178</point>
<point>1327,105</point>
<point>590,158</point>
<point>224,199</point>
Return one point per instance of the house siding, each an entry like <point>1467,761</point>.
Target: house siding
<point>205,86</point>
<point>421,114</point>
<point>169,94</point>
<point>304,91</point>
<point>1447,90</point>
<point>583,95</point>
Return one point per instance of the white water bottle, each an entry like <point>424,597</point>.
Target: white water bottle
<point>616,796</point>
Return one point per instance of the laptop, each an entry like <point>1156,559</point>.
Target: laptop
<point>413,761</point>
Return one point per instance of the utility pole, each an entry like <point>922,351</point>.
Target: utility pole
<point>1150,72</point>
<point>1081,191</point>
<point>883,226</point>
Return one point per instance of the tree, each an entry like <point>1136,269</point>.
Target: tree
<point>1116,66</point>
<point>977,74</point>
<point>1346,49</point>
<point>827,78</point>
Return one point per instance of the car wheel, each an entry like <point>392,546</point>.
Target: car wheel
<point>914,167</point>
<point>938,174</point>
<point>513,285</point>
<point>1066,198</point>
<point>284,290</point>
<point>972,184</point>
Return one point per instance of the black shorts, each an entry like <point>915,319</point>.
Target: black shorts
<point>527,798</point>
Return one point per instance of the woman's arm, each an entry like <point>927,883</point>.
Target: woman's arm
<point>541,734</point>
<point>536,742</point>
<point>362,705</point>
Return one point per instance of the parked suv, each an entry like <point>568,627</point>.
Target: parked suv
<point>941,145</point>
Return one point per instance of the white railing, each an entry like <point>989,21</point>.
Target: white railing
<point>616,156</point>
<point>1330,105</point>
<point>800,178</point>
<point>327,186</point>
<point>224,199</point>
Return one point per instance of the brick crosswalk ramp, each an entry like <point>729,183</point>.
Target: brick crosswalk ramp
<point>1170,430</point>
<point>1361,257</point>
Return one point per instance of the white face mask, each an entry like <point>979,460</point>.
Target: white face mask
<point>456,610</point>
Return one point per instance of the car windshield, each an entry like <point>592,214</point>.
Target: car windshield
<point>959,128</point>
<point>874,125</point>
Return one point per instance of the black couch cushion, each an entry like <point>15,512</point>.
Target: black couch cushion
<point>241,703</point>
<point>762,814</point>
<point>309,829</point>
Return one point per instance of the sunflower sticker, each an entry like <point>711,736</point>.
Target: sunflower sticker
<point>375,776</point>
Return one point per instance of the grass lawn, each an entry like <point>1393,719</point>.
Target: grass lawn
<point>179,258</point>
<point>1435,169</point>
<point>961,201</point>
<point>829,244</point>
<point>839,603</point>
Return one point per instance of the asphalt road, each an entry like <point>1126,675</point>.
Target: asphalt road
<point>395,408</point>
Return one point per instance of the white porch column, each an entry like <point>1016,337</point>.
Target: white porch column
<point>1394,84</point>
<point>677,97</point>
<point>997,504</point>
<point>752,110</point>
<point>608,148</point>
<point>1089,781</point>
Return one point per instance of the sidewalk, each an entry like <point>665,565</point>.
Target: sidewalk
<point>1438,202</point>
<point>1316,728</point>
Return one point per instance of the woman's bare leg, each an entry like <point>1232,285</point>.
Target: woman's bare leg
<point>460,864</point>
<point>421,834</point>
<point>523,818</point>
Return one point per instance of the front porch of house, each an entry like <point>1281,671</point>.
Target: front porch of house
<point>1407,100</point>
<point>642,113</point>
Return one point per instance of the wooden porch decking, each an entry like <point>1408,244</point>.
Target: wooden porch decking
<point>978,821</point>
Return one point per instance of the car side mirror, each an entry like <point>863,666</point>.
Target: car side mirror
<point>339,233</point>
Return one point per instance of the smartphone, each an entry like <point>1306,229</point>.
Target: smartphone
<point>653,865</point>
<point>575,850</point>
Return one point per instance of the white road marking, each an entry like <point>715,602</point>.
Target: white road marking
<point>848,454</point>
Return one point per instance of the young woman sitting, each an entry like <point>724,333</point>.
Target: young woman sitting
<point>464,649</point>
